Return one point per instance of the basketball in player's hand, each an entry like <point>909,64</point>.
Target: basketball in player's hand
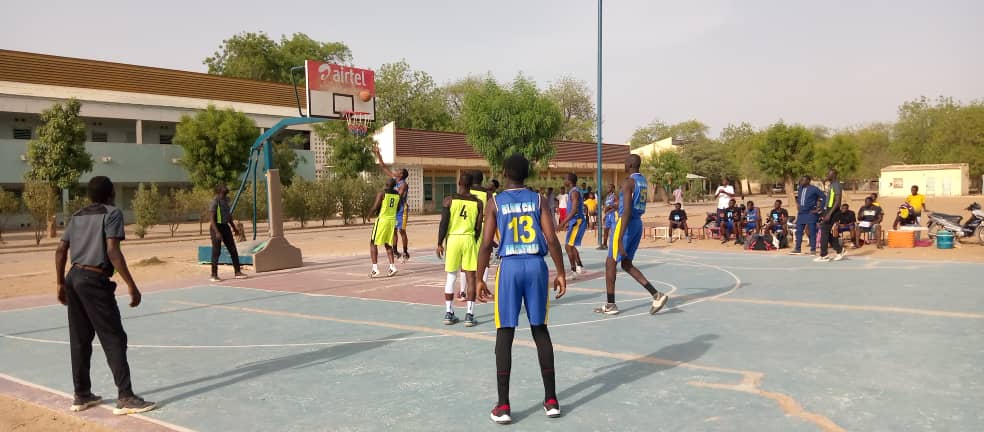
<point>365,95</point>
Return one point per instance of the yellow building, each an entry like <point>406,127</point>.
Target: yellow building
<point>933,179</point>
<point>648,150</point>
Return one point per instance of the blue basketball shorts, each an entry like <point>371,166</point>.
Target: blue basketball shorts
<point>521,279</point>
<point>575,232</point>
<point>625,238</point>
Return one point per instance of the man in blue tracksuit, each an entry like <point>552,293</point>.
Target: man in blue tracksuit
<point>807,216</point>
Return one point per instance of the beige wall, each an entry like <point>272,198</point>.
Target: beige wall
<point>942,182</point>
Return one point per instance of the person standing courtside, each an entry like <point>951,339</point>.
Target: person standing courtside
<point>806,216</point>
<point>92,242</point>
<point>221,230</point>
<point>829,217</point>
<point>527,234</point>
<point>724,194</point>
<point>626,237</point>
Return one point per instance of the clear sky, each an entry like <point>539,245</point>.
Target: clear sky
<point>835,63</point>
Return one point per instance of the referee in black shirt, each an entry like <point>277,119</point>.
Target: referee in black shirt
<point>92,241</point>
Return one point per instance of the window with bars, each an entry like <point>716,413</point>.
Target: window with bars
<point>22,134</point>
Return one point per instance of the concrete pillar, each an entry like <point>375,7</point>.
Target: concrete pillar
<point>139,134</point>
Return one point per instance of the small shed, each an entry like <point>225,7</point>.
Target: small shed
<point>932,179</point>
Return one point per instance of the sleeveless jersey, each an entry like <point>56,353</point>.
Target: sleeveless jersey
<point>751,215</point>
<point>388,209</point>
<point>518,223</point>
<point>482,196</point>
<point>638,197</point>
<point>464,214</point>
<point>610,200</point>
<point>579,212</point>
<point>399,184</point>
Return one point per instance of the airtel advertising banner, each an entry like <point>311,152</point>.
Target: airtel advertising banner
<point>330,77</point>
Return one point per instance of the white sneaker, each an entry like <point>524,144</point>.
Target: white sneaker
<point>572,275</point>
<point>215,279</point>
<point>607,309</point>
<point>825,258</point>
<point>392,272</point>
<point>841,255</point>
<point>374,274</point>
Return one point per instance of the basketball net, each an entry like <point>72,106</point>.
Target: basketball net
<point>358,122</point>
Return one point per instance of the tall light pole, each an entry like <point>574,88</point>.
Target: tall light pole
<point>598,189</point>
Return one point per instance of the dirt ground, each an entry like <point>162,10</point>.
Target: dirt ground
<point>159,258</point>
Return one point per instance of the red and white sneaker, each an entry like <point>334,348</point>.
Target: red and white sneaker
<point>552,408</point>
<point>501,414</point>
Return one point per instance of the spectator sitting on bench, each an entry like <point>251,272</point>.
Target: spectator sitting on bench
<point>753,221</point>
<point>778,220</point>
<point>870,220</point>
<point>905,217</point>
<point>678,220</point>
<point>847,223</point>
<point>728,218</point>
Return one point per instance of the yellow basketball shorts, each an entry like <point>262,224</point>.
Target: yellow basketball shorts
<point>461,253</point>
<point>383,231</point>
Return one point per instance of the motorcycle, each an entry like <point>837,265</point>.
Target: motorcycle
<point>973,227</point>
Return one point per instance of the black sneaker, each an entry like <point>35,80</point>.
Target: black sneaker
<point>470,320</point>
<point>396,255</point>
<point>659,300</point>
<point>552,408</point>
<point>501,414</point>
<point>406,256</point>
<point>84,402</point>
<point>449,318</point>
<point>133,405</point>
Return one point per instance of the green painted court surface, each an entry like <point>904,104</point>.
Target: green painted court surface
<point>748,342</point>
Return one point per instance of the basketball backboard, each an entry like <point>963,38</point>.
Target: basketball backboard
<point>334,89</point>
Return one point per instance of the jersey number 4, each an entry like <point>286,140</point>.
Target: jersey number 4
<point>464,213</point>
<point>526,224</point>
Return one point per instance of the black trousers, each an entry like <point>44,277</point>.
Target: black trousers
<point>224,236</point>
<point>92,310</point>
<point>827,239</point>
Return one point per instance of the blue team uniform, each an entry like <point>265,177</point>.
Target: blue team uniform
<point>627,238</point>
<point>578,224</point>
<point>751,216</point>
<point>401,214</point>
<point>610,217</point>
<point>522,276</point>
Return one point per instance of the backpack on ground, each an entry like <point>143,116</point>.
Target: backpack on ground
<point>761,243</point>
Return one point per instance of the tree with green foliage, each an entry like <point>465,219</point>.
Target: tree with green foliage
<point>216,145</point>
<point>648,134</point>
<point>366,196</point>
<point>410,98</point>
<point>146,208</point>
<point>711,159</point>
<point>666,169</point>
<point>58,156</point>
<point>840,152</point>
<point>244,208</point>
<point>574,99</point>
<point>786,153</point>
<point>940,131</point>
<point>196,201</point>
<point>743,140</point>
<point>347,191</point>
<point>256,56</point>
<point>502,121</point>
<point>874,143</point>
<point>286,159</point>
<point>175,209</point>
<point>41,201</point>
<point>9,206</point>
<point>348,155</point>
<point>324,203</point>
<point>454,98</point>
<point>297,200</point>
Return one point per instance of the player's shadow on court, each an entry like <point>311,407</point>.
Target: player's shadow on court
<point>611,377</point>
<point>692,294</point>
<point>254,370</point>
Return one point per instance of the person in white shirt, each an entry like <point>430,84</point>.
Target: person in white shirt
<point>724,193</point>
<point>562,205</point>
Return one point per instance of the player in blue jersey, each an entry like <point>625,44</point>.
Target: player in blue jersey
<point>611,205</point>
<point>576,222</point>
<point>402,214</point>
<point>526,235</point>
<point>626,237</point>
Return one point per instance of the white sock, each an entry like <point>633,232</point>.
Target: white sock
<point>447,305</point>
<point>393,267</point>
<point>471,307</point>
<point>485,276</point>
<point>462,283</point>
<point>375,267</point>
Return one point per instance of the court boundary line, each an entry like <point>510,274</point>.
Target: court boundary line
<point>104,406</point>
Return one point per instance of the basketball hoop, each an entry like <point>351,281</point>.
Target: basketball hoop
<point>358,122</point>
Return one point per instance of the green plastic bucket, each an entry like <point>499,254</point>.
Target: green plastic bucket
<point>944,240</point>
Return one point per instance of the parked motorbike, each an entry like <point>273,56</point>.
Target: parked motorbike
<point>972,228</point>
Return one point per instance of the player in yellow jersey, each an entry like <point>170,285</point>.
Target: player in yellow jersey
<point>386,206</point>
<point>479,192</point>
<point>461,223</point>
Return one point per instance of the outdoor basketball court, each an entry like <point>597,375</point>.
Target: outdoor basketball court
<point>749,341</point>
